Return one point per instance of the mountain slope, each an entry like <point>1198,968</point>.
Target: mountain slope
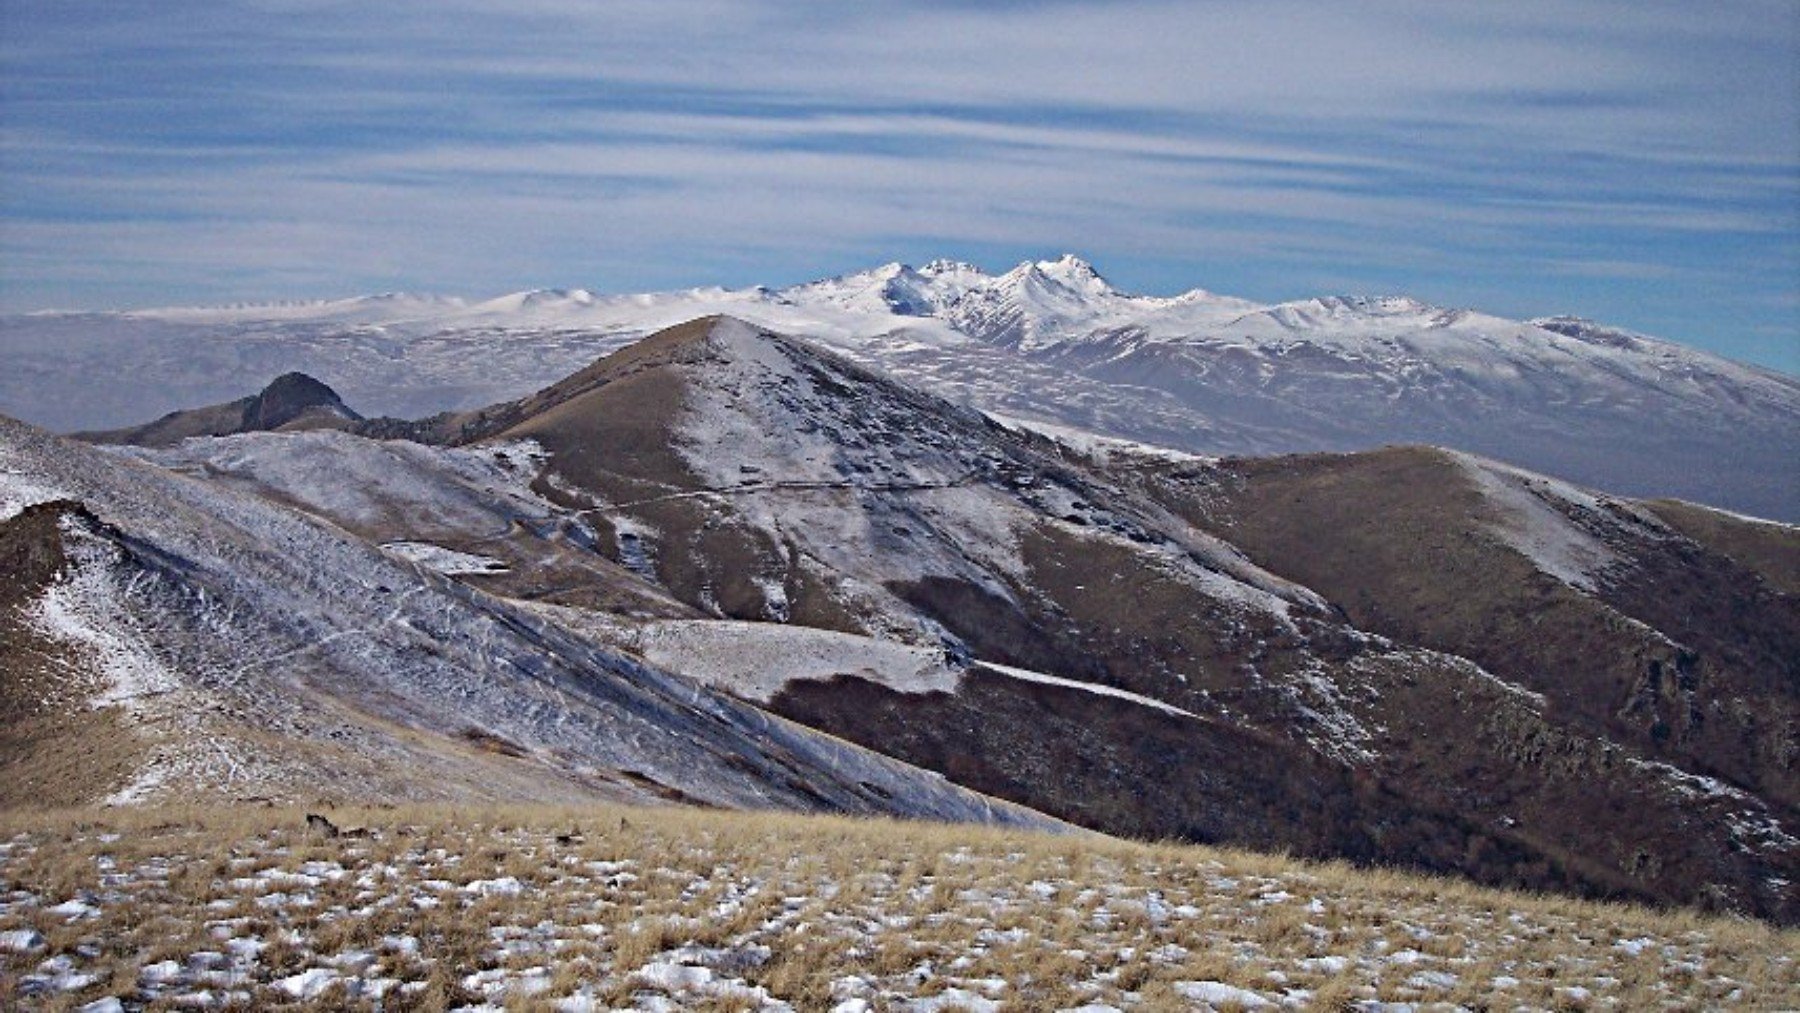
<point>1645,419</point>
<point>250,650</point>
<point>1671,639</point>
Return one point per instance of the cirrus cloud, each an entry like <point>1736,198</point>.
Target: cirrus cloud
<point>1638,162</point>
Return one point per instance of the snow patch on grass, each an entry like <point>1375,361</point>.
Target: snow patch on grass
<point>1534,524</point>
<point>1026,675</point>
<point>448,562</point>
<point>83,607</point>
<point>778,911</point>
<point>755,660</point>
<point>18,491</point>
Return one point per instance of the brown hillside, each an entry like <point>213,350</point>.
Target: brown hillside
<point>850,503</point>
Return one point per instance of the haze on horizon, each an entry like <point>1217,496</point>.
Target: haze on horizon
<point>1637,163</point>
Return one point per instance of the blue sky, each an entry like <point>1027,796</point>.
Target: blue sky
<point>1635,162</point>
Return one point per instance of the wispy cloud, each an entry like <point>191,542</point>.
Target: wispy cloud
<point>1634,161</point>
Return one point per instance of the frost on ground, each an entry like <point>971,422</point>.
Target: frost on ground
<point>19,490</point>
<point>374,484</point>
<point>613,908</point>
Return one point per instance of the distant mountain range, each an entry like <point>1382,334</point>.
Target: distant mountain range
<point>731,566</point>
<point>1048,344</point>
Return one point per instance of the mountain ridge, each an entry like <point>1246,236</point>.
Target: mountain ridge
<point>291,402</point>
<point>1048,342</point>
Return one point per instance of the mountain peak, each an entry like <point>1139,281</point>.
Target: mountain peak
<point>1068,265</point>
<point>541,299</point>
<point>1069,271</point>
<point>288,397</point>
<point>895,288</point>
<point>291,401</point>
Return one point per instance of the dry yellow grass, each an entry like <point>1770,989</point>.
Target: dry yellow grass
<point>598,908</point>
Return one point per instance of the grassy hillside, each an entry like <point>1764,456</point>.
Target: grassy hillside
<point>591,908</point>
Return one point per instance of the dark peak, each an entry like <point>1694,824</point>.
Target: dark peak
<point>299,387</point>
<point>289,396</point>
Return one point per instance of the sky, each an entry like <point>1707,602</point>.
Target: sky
<point>1633,162</point>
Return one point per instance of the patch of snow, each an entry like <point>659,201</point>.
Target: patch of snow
<point>505,886</point>
<point>160,973</point>
<point>1688,784</point>
<point>1101,448</point>
<point>1533,524</point>
<point>683,979</point>
<point>448,562</point>
<point>1328,723</point>
<point>308,984</point>
<point>21,940</point>
<point>755,660</point>
<point>952,999</point>
<point>425,492</point>
<point>83,607</point>
<point>1751,824</point>
<point>1217,993</point>
<point>18,491</point>
<point>1749,518</point>
<point>73,909</point>
<point>1433,979</point>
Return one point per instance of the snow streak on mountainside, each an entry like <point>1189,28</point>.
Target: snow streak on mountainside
<point>1049,341</point>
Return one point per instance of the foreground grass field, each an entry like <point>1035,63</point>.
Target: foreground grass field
<point>681,909</point>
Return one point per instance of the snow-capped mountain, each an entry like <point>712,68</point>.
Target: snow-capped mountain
<point>894,288</point>
<point>1049,343</point>
<point>1040,304</point>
